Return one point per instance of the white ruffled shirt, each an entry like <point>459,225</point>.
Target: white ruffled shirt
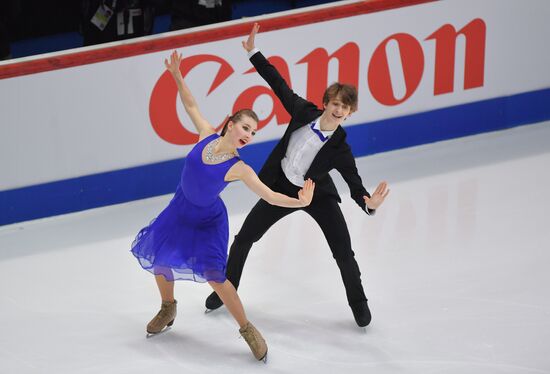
<point>303,146</point>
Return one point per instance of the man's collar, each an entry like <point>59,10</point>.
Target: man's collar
<point>317,126</point>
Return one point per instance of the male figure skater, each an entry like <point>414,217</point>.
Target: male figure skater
<point>313,144</point>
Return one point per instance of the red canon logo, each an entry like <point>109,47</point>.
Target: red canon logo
<point>165,121</point>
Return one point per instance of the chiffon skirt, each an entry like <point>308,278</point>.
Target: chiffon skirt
<point>185,242</point>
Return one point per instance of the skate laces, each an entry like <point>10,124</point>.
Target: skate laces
<point>163,312</point>
<point>249,334</point>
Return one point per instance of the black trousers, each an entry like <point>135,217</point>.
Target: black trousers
<point>325,211</point>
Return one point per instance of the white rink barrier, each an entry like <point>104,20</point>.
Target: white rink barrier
<point>103,125</point>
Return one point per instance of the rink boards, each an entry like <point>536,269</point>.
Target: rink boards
<point>103,125</point>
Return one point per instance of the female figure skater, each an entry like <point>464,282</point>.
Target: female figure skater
<point>188,240</point>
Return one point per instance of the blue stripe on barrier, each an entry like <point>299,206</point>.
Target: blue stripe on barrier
<point>448,123</point>
<point>119,186</point>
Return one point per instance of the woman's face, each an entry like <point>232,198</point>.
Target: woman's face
<point>242,131</point>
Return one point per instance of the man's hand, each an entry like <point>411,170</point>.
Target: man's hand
<point>249,44</point>
<point>378,196</point>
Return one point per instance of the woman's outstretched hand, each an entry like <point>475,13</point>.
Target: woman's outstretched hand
<point>305,195</point>
<point>173,66</point>
<point>249,43</point>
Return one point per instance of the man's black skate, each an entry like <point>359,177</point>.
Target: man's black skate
<point>213,302</point>
<point>361,313</point>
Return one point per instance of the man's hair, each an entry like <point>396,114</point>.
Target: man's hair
<point>347,93</point>
<point>237,116</point>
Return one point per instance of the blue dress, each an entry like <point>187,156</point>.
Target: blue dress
<point>188,240</point>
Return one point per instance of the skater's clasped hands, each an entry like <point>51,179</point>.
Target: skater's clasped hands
<point>305,195</point>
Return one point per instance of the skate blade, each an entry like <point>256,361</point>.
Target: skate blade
<point>153,334</point>
<point>208,310</point>
<point>264,359</point>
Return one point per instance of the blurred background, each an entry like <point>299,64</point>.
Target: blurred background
<point>31,27</point>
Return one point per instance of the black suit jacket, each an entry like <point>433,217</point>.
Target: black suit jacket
<point>335,153</point>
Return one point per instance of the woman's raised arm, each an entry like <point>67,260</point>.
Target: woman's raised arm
<point>201,124</point>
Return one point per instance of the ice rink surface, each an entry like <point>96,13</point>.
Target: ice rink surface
<point>455,265</point>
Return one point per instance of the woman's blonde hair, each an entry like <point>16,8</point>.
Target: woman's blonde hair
<point>237,116</point>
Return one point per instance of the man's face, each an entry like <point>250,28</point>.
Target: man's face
<point>336,110</point>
